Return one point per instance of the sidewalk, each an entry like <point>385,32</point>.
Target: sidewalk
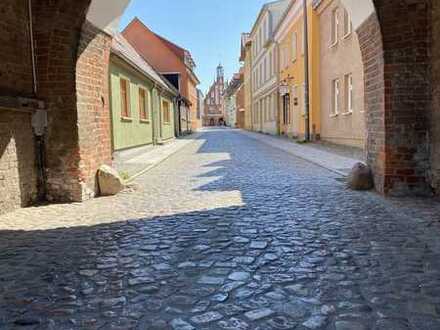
<point>132,164</point>
<point>314,154</point>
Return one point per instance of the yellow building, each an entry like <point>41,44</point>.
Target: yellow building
<point>291,45</point>
<point>246,60</point>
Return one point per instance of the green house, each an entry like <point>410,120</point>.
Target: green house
<point>142,102</point>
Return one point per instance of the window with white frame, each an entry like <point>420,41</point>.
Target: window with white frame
<point>265,69</point>
<point>303,37</point>
<point>268,109</point>
<point>294,46</point>
<point>303,98</point>
<point>335,27</point>
<point>335,97</point>
<point>347,24</point>
<point>348,82</point>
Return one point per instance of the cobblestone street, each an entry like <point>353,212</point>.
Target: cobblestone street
<point>227,233</point>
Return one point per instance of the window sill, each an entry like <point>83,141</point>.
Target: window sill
<point>127,119</point>
<point>145,121</point>
<point>333,45</point>
<point>348,113</point>
<point>334,115</point>
<point>347,35</point>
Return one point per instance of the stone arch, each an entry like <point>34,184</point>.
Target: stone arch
<point>395,42</point>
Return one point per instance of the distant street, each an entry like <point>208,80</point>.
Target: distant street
<point>228,233</point>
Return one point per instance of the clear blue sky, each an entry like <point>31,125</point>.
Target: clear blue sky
<point>209,29</point>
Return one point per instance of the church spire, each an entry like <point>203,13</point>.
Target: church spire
<point>220,72</point>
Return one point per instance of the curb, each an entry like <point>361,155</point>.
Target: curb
<point>150,167</point>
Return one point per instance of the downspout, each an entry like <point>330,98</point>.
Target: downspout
<point>39,120</point>
<point>306,75</point>
<point>31,34</point>
<point>153,116</point>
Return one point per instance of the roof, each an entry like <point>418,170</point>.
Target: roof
<point>279,6</point>
<point>181,53</point>
<point>122,48</point>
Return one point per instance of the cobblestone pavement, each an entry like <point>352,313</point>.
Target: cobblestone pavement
<point>225,234</point>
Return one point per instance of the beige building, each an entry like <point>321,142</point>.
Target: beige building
<point>341,76</point>
<point>246,60</point>
<point>264,67</point>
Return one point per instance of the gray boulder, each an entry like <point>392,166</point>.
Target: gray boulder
<point>110,183</point>
<point>361,177</point>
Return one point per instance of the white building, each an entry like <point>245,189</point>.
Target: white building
<point>264,67</point>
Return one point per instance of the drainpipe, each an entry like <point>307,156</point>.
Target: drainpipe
<point>39,120</point>
<point>306,75</point>
<point>31,34</point>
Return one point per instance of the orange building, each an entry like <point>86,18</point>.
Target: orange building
<point>173,62</point>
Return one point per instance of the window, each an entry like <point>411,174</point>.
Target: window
<point>335,27</point>
<point>348,82</point>
<point>265,31</point>
<point>286,109</point>
<point>303,98</point>
<point>263,67</point>
<point>347,24</point>
<point>125,98</point>
<point>143,104</point>
<point>270,64</point>
<point>303,43</point>
<point>295,98</point>
<point>166,111</point>
<point>335,101</point>
<point>294,46</point>
<point>267,108</point>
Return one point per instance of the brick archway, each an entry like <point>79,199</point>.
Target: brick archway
<point>72,57</point>
<point>395,41</point>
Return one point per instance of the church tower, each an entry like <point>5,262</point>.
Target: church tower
<point>220,73</point>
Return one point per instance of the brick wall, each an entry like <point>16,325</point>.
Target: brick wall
<point>372,57</point>
<point>92,92</point>
<point>435,119</point>
<point>15,54</point>
<point>395,47</point>
<point>57,42</point>
<point>72,64</point>
<point>18,178</point>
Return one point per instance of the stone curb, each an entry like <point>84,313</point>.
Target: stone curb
<point>193,139</point>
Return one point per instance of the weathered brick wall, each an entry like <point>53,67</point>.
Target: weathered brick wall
<point>92,93</point>
<point>73,59</point>
<point>370,41</point>
<point>435,119</point>
<point>18,178</point>
<point>397,87</point>
<point>15,54</point>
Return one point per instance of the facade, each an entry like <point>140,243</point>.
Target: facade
<point>341,77</point>
<point>246,60</point>
<point>240,102</point>
<point>54,99</point>
<point>231,100</point>
<point>175,64</point>
<point>214,107</point>
<point>141,102</point>
<point>290,37</point>
<point>200,105</point>
<point>264,67</point>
